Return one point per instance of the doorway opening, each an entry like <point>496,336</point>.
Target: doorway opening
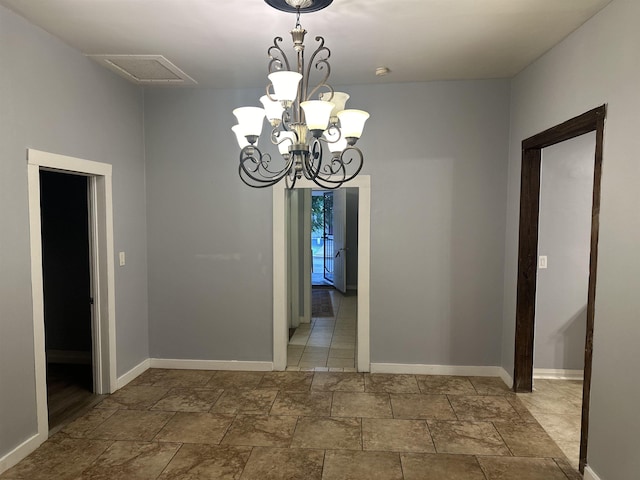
<point>68,301</point>
<point>98,187</point>
<point>285,293</point>
<point>591,121</point>
<point>324,335</point>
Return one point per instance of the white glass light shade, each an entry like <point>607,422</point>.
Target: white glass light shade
<point>289,138</point>
<point>273,109</point>
<point>335,146</point>
<point>317,113</point>
<point>285,85</point>
<point>352,122</point>
<point>240,136</point>
<point>250,119</point>
<point>339,99</point>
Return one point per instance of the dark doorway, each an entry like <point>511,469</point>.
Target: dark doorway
<point>591,121</point>
<point>66,258</point>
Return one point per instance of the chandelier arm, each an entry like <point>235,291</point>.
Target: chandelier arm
<point>253,184</point>
<point>278,59</point>
<point>331,181</point>
<point>343,161</point>
<point>256,167</point>
<point>320,64</point>
<point>312,171</point>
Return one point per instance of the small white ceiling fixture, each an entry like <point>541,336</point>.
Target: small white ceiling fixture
<point>145,69</point>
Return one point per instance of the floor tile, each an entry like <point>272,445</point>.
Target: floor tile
<point>341,465</point>
<point>342,353</point>
<point>387,383</point>
<point>418,406</point>
<point>60,458</point>
<point>131,461</point>
<point>254,402</point>
<point>392,435</point>
<point>517,468</point>
<point>353,404</point>
<point>445,385</point>
<point>523,411</point>
<point>483,408</point>
<point>133,425</point>
<point>472,438</point>
<point>527,440</point>
<point>440,467</point>
<point>332,382</point>
<point>148,377</point>
<point>302,404</point>
<point>284,464</point>
<point>291,381</point>
<point>135,397</point>
<point>207,462</point>
<point>325,433</point>
<point>317,350</point>
<point>233,380</point>
<point>570,470</point>
<point>261,431</point>
<point>188,400</point>
<point>340,362</point>
<point>82,426</point>
<point>187,427</point>
<point>184,378</point>
<point>550,403</point>
<point>268,425</point>
<point>563,428</point>
<point>490,386</point>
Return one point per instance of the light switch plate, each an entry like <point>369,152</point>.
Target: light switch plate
<point>122,259</point>
<point>542,261</point>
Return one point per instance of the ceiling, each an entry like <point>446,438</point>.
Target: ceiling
<point>223,43</point>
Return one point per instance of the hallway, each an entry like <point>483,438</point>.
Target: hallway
<point>328,343</point>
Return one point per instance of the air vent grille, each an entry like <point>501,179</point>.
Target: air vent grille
<point>145,69</point>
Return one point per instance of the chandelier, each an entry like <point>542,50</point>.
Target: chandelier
<point>306,117</point>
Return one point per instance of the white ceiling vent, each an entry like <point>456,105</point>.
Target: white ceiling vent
<point>145,69</point>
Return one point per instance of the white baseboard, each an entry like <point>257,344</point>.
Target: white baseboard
<point>133,373</point>
<point>21,451</point>
<point>69,357</point>
<point>210,364</point>
<point>589,474</point>
<point>558,374</point>
<point>421,369</point>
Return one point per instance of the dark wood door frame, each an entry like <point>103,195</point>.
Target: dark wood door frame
<point>590,121</point>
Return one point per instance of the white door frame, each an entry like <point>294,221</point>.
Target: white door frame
<point>102,264</point>
<point>280,293</point>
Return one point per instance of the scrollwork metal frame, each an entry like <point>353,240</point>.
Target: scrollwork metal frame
<point>306,156</point>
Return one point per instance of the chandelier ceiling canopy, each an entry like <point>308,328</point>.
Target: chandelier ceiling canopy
<point>305,116</point>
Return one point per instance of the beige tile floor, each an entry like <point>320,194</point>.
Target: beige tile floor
<point>327,343</point>
<point>557,406</point>
<point>191,424</point>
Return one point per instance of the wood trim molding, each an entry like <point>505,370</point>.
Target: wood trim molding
<point>593,120</point>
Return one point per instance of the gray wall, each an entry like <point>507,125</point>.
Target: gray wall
<point>436,153</point>
<point>54,99</point>
<point>596,64</point>
<point>209,235</point>
<point>564,237</point>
